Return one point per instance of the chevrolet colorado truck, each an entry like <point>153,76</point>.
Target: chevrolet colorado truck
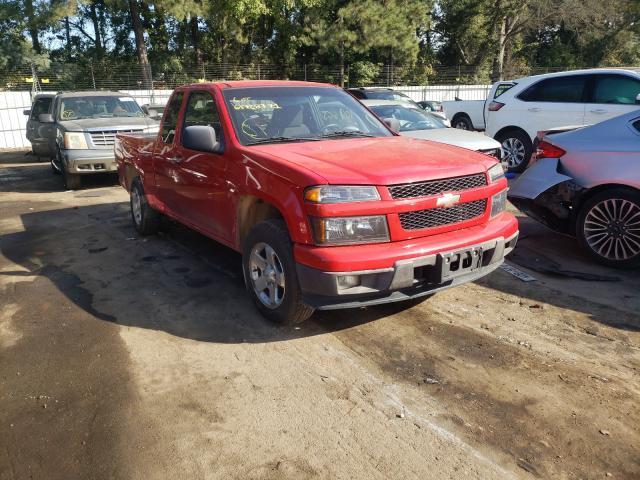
<point>329,207</point>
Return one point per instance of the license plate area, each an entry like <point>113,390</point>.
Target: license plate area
<point>460,262</point>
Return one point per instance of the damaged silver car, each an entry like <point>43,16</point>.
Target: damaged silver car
<point>586,183</point>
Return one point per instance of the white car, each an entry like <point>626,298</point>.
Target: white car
<point>586,183</point>
<point>416,123</point>
<point>519,109</point>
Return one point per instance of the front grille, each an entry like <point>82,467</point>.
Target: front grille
<point>436,217</point>
<point>107,138</point>
<point>436,187</point>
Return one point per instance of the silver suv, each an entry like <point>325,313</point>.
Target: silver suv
<point>77,130</point>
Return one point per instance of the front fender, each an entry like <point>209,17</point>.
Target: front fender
<point>537,179</point>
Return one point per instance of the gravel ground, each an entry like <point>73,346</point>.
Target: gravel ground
<point>129,357</point>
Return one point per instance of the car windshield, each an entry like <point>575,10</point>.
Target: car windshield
<point>390,95</point>
<point>409,118</point>
<point>75,108</point>
<point>289,114</point>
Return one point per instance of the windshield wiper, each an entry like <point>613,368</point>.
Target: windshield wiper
<point>284,139</point>
<point>347,133</point>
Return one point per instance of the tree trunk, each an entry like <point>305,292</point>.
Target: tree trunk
<point>67,33</point>
<point>342,63</point>
<point>96,28</point>
<point>31,26</point>
<point>498,60</point>
<point>197,52</point>
<point>141,49</point>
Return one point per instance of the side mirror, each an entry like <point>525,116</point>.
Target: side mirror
<point>45,118</point>
<point>638,99</point>
<point>26,112</point>
<point>201,138</point>
<point>392,123</point>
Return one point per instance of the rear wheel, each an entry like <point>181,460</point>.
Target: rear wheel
<point>608,228</point>
<point>145,219</point>
<point>270,274</point>
<point>517,149</point>
<point>462,122</point>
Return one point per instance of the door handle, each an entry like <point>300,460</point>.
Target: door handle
<point>599,111</point>
<point>175,159</point>
<point>534,109</point>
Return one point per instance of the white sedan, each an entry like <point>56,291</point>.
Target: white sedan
<point>416,123</point>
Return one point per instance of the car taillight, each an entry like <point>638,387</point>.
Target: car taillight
<point>495,106</point>
<point>548,150</point>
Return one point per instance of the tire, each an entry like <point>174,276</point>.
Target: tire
<point>144,218</point>
<point>267,261</point>
<point>608,227</point>
<point>517,148</point>
<point>462,122</point>
<point>72,181</point>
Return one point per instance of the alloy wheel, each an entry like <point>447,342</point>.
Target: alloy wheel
<point>267,275</point>
<point>514,152</point>
<point>612,229</point>
<point>136,206</point>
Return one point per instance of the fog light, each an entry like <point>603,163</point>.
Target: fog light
<point>348,281</point>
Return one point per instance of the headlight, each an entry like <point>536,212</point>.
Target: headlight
<point>152,129</point>
<point>350,230</point>
<point>341,194</point>
<point>496,172</point>
<point>75,141</point>
<point>499,202</point>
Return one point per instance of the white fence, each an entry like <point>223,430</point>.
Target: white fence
<point>13,122</point>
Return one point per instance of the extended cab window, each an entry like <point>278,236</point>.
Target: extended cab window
<point>289,114</point>
<point>502,88</point>
<point>202,110</point>
<point>569,89</point>
<point>170,121</point>
<point>616,89</point>
<point>41,105</point>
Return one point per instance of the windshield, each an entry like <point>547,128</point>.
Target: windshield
<point>281,114</point>
<point>409,118</point>
<point>75,108</point>
<point>390,95</point>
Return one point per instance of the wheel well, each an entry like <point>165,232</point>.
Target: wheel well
<point>461,115</point>
<point>510,128</point>
<point>130,175</point>
<point>251,211</point>
<point>584,197</point>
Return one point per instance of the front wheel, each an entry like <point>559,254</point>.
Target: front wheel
<point>517,149</point>
<point>270,274</point>
<point>608,228</point>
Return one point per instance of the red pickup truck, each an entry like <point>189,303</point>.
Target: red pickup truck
<point>329,206</point>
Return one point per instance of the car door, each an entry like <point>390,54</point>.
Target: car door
<point>552,102</point>
<point>39,133</point>
<point>611,95</point>
<point>202,189</point>
<point>166,157</point>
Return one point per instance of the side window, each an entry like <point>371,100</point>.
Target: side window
<point>202,110</point>
<point>170,122</point>
<point>502,88</point>
<point>616,89</point>
<point>358,94</point>
<point>636,125</point>
<point>41,105</point>
<point>569,89</point>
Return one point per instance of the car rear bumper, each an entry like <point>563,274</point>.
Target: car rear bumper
<point>406,277</point>
<point>90,161</point>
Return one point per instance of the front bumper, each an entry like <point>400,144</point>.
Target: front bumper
<point>89,161</point>
<point>405,279</point>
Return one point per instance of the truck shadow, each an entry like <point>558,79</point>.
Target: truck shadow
<point>183,283</point>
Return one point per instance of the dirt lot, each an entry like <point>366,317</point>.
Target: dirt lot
<point>124,357</point>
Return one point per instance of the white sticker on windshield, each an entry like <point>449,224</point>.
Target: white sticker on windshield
<point>126,99</point>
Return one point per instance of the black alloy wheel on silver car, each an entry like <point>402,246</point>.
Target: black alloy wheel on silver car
<point>516,150</point>
<point>608,227</point>
<point>270,274</point>
<point>145,219</point>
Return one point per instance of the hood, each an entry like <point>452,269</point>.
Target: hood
<point>377,161</point>
<point>114,123</point>
<point>457,137</point>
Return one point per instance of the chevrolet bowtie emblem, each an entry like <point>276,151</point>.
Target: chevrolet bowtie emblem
<point>447,200</point>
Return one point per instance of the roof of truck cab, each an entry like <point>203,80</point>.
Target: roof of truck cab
<point>262,83</point>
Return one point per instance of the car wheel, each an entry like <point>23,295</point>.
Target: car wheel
<point>608,228</point>
<point>72,181</point>
<point>270,274</point>
<point>145,218</point>
<point>517,149</point>
<point>462,122</point>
